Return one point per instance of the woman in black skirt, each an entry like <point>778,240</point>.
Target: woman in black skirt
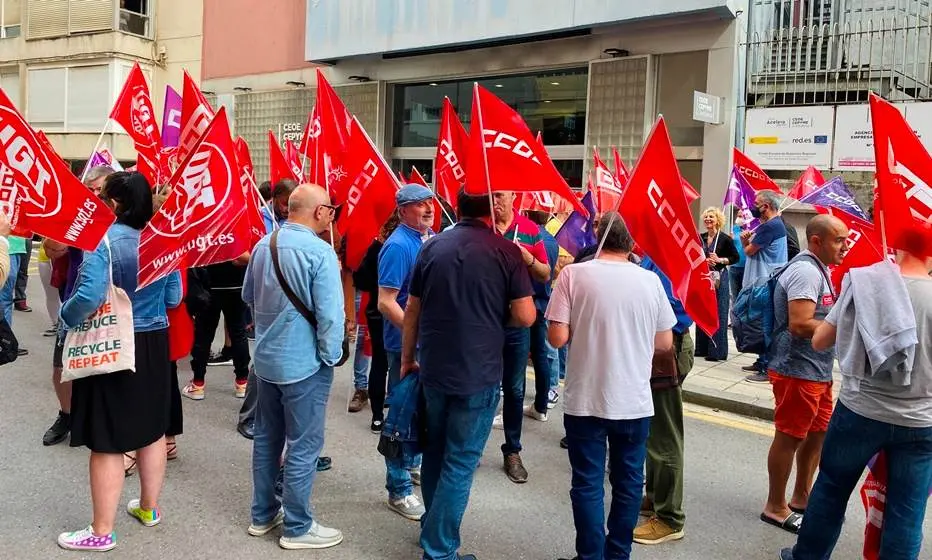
<point>115,413</point>
<point>720,252</point>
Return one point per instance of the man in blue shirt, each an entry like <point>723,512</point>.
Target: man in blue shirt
<point>466,286</point>
<point>665,450</point>
<point>293,386</point>
<point>396,261</point>
<point>766,250</point>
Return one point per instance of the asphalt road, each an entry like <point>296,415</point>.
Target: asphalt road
<point>205,503</point>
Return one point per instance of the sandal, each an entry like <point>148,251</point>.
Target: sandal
<point>791,524</point>
<point>131,469</point>
<point>171,450</point>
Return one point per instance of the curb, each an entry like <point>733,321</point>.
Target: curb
<point>728,402</point>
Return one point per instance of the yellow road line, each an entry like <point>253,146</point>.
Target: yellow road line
<point>729,421</point>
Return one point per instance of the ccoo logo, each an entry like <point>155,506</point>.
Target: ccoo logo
<point>31,168</point>
<point>205,185</point>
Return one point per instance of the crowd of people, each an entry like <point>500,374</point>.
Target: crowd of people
<point>444,325</point>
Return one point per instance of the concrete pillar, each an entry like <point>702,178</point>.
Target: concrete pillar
<point>718,139</point>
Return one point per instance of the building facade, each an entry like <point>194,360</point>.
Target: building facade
<point>63,63</point>
<point>587,73</point>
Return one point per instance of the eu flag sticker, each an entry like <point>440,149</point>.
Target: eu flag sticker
<point>821,139</point>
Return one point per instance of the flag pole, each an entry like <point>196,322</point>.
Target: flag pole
<point>485,159</point>
<point>100,140</point>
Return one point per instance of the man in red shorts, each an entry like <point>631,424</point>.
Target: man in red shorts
<point>801,376</point>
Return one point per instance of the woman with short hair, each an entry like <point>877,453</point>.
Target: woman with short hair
<point>115,413</point>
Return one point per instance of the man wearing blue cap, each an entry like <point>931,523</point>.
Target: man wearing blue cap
<point>396,261</point>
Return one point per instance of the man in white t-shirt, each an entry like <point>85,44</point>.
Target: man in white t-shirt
<point>607,397</point>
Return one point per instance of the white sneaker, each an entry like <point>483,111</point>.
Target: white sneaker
<point>410,506</point>
<point>498,422</point>
<point>318,537</point>
<point>260,530</point>
<point>531,412</point>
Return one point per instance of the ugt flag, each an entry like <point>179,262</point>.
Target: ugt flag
<point>835,194</point>
<point>203,220</point>
<point>578,231</point>
<point>38,192</point>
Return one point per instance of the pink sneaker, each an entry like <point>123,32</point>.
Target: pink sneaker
<point>85,539</point>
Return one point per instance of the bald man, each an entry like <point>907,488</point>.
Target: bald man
<point>293,284</point>
<point>800,375</point>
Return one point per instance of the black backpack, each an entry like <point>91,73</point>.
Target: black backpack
<point>9,346</point>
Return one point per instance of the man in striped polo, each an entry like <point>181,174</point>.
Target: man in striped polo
<point>525,233</point>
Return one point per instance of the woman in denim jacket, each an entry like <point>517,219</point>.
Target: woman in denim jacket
<point>124,411</point>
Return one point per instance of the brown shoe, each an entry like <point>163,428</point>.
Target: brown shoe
<point>514,468</point>
<point>360,398</point>
<point>655,531</point>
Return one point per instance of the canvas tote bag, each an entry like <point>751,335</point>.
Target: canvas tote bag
<point>105,342</point>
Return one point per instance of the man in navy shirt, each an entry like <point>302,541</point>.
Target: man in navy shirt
<point>467,286</point>
<point>396,260</point>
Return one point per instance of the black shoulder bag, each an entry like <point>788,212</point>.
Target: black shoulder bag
<point>9,346</point>
<point>296,301</point>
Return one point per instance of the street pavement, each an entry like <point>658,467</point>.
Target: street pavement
<point>205,503</point>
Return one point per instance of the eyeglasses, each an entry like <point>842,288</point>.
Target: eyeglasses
<point>333,208</point>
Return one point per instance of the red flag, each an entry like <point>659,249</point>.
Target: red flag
<point>254,201</point>
<point>294,160</point>
<point>504,156</point>
<point>691,193</point>
<point>452,144</point>
<point>621,171</point>
<point>278,165</point>
<point>329,157</point>
<point>196,114</point>
<point>418,179</point>
<point>133,111</point>
<point>902,195</point>
<point>38,192</point>
<point>608,189</point>
<point>755,176</point>
<point>655,210</point>
<point>810,180</point>
<point>864,245</point>
<point>202,222</point>
<point>370,198</point>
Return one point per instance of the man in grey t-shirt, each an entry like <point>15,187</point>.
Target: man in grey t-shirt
<point>880,416</point>
<point>801,376</point>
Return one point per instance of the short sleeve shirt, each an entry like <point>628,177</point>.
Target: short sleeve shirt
<point>770,236</point>
<point>396,261</point>
<point>527,234</point>
<point>805,278</point>
<point>611,351</point>
<point>466,279</point>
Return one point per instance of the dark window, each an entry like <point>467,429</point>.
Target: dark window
<point>424,166</point>
<point>552,102</point>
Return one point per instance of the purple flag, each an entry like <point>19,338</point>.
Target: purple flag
<point>577,231</point>
<point>741,195</point>
<point>835,194</point>
<point>171,118</point>
<point>102,157</point>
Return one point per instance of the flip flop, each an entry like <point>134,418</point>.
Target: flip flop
<point>799,510</point>
<point>791,524</point>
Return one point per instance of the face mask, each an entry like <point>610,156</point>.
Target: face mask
<point>755,211</point>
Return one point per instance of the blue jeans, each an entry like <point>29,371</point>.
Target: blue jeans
<point>514,376</point>
<point>458,428</point>
<point>541,357</point>
<point>557,371</point>
<point>6,293</point>
<point>586,437</point>
<point>295,414</point>
<point>398,470</point>
<point>563,352</point>
<point>850,443</point>
<point>360,360</point>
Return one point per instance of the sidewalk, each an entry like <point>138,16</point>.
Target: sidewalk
<point>721,385</point>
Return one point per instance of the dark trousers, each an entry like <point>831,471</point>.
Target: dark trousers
<point>247,412</point>
<point>230,304</point>
<point>665,457</point>
<point>541,358</point>
<point>514,377</point>
<point>589,439</point>
<point>457,430</point>
<point>378,368</point>
<point>176,412</point>
<point>850,443</point>
<point>716,346</point>
<point>22,274</point>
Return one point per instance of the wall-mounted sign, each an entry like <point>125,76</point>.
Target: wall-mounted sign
<point>707,108</point>
<point>790,137</point>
